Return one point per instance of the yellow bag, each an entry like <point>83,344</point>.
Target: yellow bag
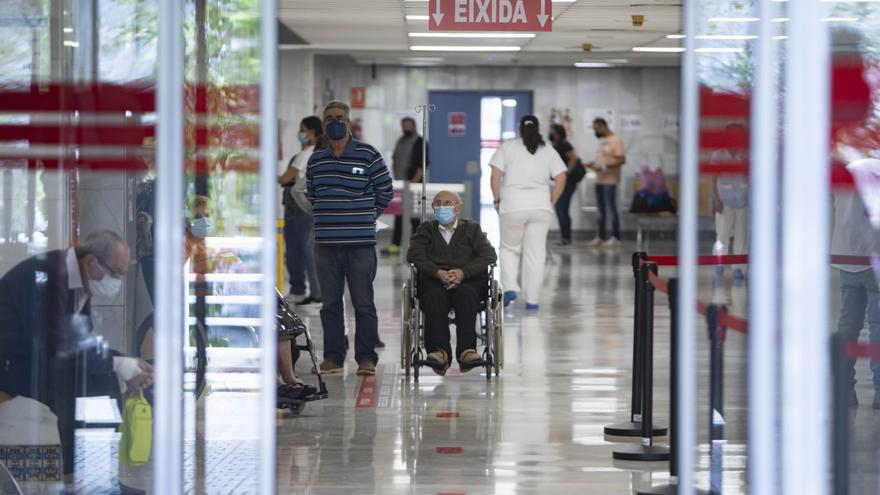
<point>136,442</point>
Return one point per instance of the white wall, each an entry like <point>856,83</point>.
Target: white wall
<point>651,93</point>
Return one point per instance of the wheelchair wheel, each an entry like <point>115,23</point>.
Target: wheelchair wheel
<point>498,339</point>
<point>405,328</point>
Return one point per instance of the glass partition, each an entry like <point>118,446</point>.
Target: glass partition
<point>80,232</point>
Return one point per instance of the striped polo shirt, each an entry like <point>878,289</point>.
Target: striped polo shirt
<point>348,193</point>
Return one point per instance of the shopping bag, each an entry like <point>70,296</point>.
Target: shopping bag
<point>136,441</point>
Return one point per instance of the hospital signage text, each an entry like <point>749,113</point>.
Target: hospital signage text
<point>490,15</point>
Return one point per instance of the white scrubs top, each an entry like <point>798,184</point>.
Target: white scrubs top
<point>527,177</point>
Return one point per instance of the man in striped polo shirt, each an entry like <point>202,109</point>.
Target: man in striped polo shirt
<point>349,186</point>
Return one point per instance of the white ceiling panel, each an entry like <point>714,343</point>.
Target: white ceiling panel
<point>376,31</point>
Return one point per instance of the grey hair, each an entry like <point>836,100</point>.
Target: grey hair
<point>457,196</point>
<point>337,104</point>
<point>100,243</point>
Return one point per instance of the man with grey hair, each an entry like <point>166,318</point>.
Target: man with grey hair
<point>45,327</point>
<point>349,186</point>
<point>452,256</point>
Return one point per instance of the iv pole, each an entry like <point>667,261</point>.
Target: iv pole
<point>406,214</point>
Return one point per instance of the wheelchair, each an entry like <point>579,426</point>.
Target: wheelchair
<point>290,329</point>
<point>489,327</point>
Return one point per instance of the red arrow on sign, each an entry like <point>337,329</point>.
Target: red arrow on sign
<point>490,15</point>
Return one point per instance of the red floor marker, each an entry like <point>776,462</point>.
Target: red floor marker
<point>366,396</point>
<point>449,450</point>
<point>448,415</point>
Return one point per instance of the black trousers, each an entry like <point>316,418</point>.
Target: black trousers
<point>436,302</point>
<point>65,383</point>
<point>397,235</point>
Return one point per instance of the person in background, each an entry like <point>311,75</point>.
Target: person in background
<point>406,162</point>
<point>731,199</point>
<point>299,252</point>
<point>610,158</point>
<point>349,187</point>
<point>558,137</point>
<point>46,327</point>
<point>521,172</point>
<point>452,256</point>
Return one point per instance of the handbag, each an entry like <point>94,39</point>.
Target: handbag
<point>577,174</point>
<point>136,442</point>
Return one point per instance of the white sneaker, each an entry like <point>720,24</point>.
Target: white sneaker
<point>611,242</point>
<point>595,242</point>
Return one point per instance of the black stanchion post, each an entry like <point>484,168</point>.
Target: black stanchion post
<point>716,398</point>
<point>633,427</point>
<point>647,451</point>
<point>842,385</point>
<point>672,487</point>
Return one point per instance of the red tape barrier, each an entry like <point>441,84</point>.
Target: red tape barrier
<point>859,350</point>
<point>743,259</point>
<point>725,320</point>
<point>735,259</point>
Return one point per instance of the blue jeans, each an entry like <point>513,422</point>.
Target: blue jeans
<point>860,295</point>
<point>299,253</point>
<point>562,207</point>
<point>357,266</point>
<point>606,200</point>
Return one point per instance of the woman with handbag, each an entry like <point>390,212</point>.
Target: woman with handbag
<point>576,172</point>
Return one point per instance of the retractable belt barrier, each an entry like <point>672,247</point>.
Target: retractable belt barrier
<point>719,321</point>
<point>843,352</point>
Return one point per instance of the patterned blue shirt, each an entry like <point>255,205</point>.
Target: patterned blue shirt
<point>348,193</point>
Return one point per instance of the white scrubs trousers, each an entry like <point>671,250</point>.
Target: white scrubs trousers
<point>524,233</point>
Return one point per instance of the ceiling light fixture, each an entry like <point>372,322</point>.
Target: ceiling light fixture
<point>840,19</point>
<point>675,36</point>
<point>417,17</point>
<point>730,37</point>
<point>592,65</point>
<point>439,48</point>
<point>658,49</point>
<point>734,19</point>
<point>472,35</point>
<point>721,49</point>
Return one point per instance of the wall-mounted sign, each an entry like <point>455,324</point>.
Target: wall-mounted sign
<point>490,15</point>
<point>457,124</point>
<point>631,122</point>
<point>358,97</point>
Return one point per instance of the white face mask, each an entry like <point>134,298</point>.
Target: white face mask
<point>107,286</point>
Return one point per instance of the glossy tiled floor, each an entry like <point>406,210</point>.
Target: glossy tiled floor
<point>537,429</point>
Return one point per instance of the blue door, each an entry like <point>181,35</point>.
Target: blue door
<point>456,137</point>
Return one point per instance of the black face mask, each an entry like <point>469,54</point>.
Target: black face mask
<point>598,135</point>
<point>553,138</point>
<point>409,133</point>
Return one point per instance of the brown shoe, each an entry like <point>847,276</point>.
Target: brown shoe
<point>330,368</point>
<point>366,368</point>
<point>469,360</point>
<point>438,362</point>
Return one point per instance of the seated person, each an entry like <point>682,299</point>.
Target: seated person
<point>46,327</point>
<point>452,256</point>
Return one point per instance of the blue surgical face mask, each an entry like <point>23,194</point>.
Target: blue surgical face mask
<point>202,227</point>
<point>444,214</point>
<point>336,130</point>
<point>303,139</point>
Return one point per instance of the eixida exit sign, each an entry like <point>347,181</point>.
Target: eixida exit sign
<point>490,15</point>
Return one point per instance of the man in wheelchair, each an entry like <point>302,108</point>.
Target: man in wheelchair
<point>452,256</point>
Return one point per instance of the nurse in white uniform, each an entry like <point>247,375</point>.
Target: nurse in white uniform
<point>522,170</point>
